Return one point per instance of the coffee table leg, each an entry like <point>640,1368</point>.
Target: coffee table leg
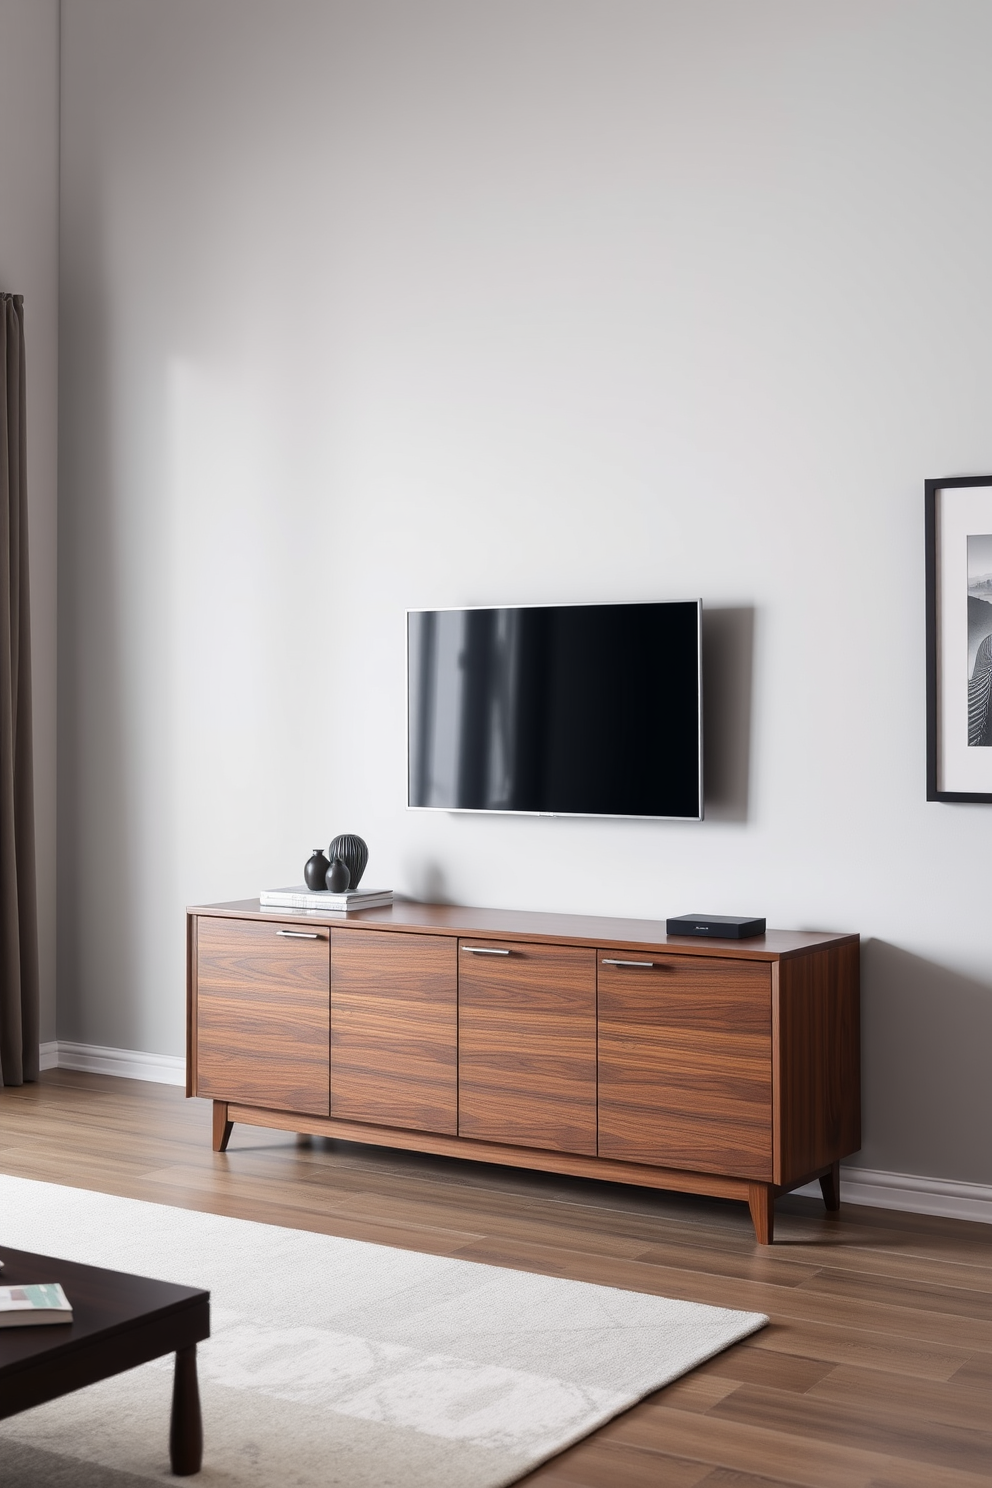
<point>186,1426</point>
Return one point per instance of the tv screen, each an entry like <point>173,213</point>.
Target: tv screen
<point>563,710</point>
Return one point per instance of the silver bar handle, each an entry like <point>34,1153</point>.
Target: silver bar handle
<point>299,934</point>
<point>608,961</point>
<point>484,951</point>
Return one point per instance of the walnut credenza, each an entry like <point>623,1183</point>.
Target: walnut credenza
<point>597,1047</point>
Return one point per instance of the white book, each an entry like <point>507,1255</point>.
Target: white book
<point>45,1302</point>
<point>300,897</point>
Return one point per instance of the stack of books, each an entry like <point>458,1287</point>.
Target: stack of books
<point>300,897</point>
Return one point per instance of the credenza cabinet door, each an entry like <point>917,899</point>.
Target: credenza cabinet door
<point>527,1044</point>
<point>394,1029</point>
<point>262,1013</point>
<point>685,1062</point>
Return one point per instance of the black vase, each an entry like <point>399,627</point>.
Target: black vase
<point>353,853</point>
<point>315,869</point>
<point>338,876</point>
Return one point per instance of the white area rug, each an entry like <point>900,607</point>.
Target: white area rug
<point>334,1362</point>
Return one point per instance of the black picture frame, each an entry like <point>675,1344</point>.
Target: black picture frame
<point>935,637</point>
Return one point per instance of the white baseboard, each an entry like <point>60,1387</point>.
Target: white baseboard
<point>130,1064</point>
<point>912,1194</point>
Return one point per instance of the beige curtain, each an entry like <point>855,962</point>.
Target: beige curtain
<point>18,908</point>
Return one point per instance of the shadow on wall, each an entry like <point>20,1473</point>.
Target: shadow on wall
<point>926,1053</point>
<point>728,663</point>
<point>428,882</point>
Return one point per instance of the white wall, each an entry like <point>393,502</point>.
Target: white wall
<point>29,201</point>
<point>376,303</point>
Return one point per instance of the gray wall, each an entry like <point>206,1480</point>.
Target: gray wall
<point>380,303</point>
<point>29,204</point>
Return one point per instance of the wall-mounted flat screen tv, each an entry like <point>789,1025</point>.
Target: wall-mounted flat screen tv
<point>560,710</point>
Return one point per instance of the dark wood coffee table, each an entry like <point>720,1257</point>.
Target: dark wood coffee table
<point>119,1321</point>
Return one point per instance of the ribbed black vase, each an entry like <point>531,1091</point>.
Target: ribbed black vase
<point>352,851</point>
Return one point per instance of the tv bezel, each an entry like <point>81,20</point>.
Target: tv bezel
<point>557,605</point>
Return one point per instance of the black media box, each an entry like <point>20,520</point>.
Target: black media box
<point>727,927</point>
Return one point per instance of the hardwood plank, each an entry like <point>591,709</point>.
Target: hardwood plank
<point>394,1029</point>
<point>605,1464</point>
<point>431,1241</point>
<point>951,1403</point>
<point>424,1211</point>
<point>685,1064</point>
<point>953,1301</point>
<point>730,1478</point>
<point>527,1045</point>
<point>845,1345</point>
<point>698,1392</point>
<point>897,1265</point>
<point>903,1436</point>
<point>285,1188</point>
<point>759,1450</point>
<point>780,1371</point>
<point>629,1208</point>
<point>976,1369</point>
<point>770,1264</point>
<point>333,1204</point>
<point>952,1238</point>
<point>525,1198</point>
<point>723,1477</point>
<point>935,1477</point>
<point>808,1462</point>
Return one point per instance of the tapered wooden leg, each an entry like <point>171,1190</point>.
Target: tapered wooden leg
<point>222,1127</point>
<point>761,1202</point>
<point>186,1425</point>
<point>830,1188</point>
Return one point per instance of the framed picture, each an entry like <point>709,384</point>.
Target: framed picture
<point>959,638</point>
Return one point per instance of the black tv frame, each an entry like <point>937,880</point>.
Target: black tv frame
<point>559,605</point>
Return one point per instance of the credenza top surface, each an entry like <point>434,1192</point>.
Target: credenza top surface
<point>521,924</point>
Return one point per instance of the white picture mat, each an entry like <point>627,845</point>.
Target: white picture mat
<point>960,511</point>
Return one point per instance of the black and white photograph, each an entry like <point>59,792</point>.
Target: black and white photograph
<point>979,640</point>
<point>959,638</point>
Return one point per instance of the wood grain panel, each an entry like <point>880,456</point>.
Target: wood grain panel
<point>685,1074</point>
<point>262,1014</point>
<point>527,1045</point>
<point>394,1029</point>
<point>817,1020</point>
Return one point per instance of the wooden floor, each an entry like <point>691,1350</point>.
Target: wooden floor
<point>876,1370</point>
